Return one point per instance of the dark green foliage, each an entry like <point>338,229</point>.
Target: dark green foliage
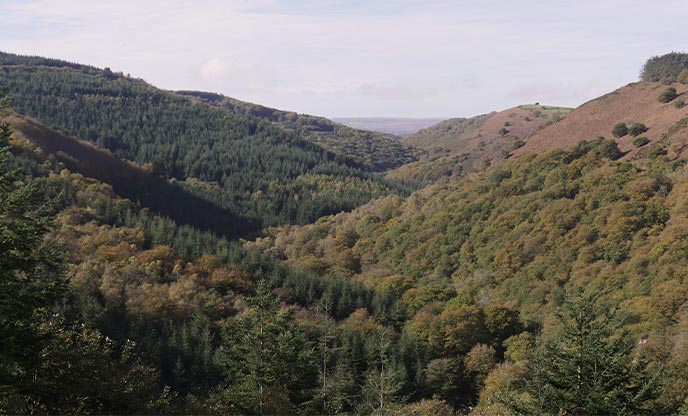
<point>132,182</point>
<point>664,68</point>
<point>637,129</point>
<point>377,151</point>
<point>667,95</point>
<point>81,372</point>
<point>31,281</point>
<point>679,103</point>
<point>588,369</point>
<point>655,150</point>
<point>640,141</point>
<point>261,174</point>
<point>385,378</point>
<point>267,361</point>
<point>620,130</point>
<point>46,365</point>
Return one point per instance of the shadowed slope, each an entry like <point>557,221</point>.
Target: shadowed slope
<point>131,181</point>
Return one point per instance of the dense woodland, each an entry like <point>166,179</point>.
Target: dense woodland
<point>665,68</point>
<point>377,151</point>
<point>548,284</point>
<point>521,239</point>
<point>237,161</point>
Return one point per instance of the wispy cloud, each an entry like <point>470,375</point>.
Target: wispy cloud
<point>359,57</point>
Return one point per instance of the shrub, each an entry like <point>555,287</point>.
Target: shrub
<point>664,68</point>
<point>667,95</point>
<point>637,129</point>
<point>515,143</point>
<point>620,130</point>
<point>683,77</point>
<point>640,141</point>
<point>503,132</point>
<point>655,151</point>
<point>680,103</point>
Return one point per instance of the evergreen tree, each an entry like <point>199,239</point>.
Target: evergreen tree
<point>30,278</point>
<point>268,364</point>
<point>385,378</point>
<point>587,370</point>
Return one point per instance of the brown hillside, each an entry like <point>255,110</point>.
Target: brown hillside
<point>127,179</point>
<point>459,150</point>
<point>461,135</point>
<point>438,137</point>
<point>506,127</point>
<point>634,103</point>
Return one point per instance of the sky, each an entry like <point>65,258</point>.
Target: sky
<point>373,58</point>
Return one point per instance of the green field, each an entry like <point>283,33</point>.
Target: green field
<point>548,111</point>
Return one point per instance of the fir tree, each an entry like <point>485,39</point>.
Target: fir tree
<point>267,361</point>
<point>588,370</point>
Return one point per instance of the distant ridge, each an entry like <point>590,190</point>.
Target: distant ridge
<point>398,126</point>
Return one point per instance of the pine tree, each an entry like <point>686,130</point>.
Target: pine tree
<point>384,380</point>
<point>337,384</point>
<point>587,370</point>
<point>266,359</point>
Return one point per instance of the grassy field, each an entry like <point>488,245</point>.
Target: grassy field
<point>548,111</point>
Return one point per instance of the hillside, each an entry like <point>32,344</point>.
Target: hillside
<point>139,307</point>
<point>524,235</point>
<point>128,179</point>
<point>462,135</point>
<point>634,103</point>
<point>371,150</point>
<point>398,126</point>
<point>441,135</point>
<point>239,163</point>
<point>465,145</point>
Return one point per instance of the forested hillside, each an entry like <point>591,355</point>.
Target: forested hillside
<point>128,312</point>
<point>376,151</point>
<point>129,180</point>
<point>239,163</point>
<point>517,242</point>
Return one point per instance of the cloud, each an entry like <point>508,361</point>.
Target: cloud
<point>358,57</point>
<point>215,69</point>
<point>239,76</point>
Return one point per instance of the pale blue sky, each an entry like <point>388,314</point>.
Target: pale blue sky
<point>360,58</point>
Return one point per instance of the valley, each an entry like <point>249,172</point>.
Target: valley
<point>185,252</point>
